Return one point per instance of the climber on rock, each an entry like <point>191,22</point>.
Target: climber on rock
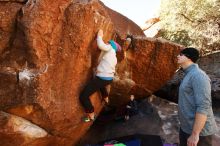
<point>104,75</point>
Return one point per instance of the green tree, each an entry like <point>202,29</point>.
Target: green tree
<point>191,23</point>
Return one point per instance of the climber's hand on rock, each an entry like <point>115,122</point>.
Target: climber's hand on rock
<point>100,33</point>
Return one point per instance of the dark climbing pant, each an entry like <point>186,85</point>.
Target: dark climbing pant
<point>93,86</point>
<point>203,140</point>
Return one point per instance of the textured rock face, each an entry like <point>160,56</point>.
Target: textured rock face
<point>48,52</point>
<point>18,1</point>
<point>7,22</point>
<point>21,127</point>
<point>144,69</point>
<point>170,90</point>
<point>211,65</point>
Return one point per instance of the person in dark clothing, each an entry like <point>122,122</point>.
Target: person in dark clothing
<point>131,108</point>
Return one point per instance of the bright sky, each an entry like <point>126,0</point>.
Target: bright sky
<point>138,11</point>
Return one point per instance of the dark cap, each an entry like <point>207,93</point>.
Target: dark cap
<point>191,53</point>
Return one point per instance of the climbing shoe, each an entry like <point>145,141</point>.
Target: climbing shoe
<point>88,119</point>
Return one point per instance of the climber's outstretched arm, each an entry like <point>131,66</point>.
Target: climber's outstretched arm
<point>100,42</point>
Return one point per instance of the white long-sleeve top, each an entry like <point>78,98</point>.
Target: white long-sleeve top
<point>107,59</point>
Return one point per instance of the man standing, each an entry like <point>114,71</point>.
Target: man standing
<point>197,123</point>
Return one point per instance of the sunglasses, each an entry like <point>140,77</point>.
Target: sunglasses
<point>181,54</point>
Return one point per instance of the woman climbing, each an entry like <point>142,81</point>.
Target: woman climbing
<point>104,75</point>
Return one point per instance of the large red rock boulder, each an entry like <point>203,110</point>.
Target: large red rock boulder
<point>47,56</point>
<point>145,68</point>
<point>8,13</point>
